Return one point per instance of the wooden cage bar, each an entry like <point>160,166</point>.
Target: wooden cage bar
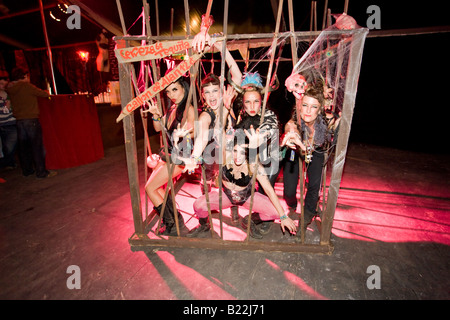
<point>140,240</point>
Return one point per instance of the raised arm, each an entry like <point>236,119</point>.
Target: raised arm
<point>155,114</point>
<point>236,74</point>
<point>190,120</point>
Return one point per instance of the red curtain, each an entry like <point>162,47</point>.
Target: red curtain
<point>71,131</point>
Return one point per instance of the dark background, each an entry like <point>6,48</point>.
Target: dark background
<point>402,91</point>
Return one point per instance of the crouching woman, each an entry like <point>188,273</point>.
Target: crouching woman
<point>237,174</point>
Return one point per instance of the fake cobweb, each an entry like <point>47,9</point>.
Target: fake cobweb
<point>324,60</point>
<point>327,61</point>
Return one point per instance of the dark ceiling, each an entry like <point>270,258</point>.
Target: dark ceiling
<point>250,16</point>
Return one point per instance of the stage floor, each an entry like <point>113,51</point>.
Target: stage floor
<point>393,213</point>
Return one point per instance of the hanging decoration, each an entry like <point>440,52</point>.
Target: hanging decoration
<point>158,86</point>
<point>157,50</point>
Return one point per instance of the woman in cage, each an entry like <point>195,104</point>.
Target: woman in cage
<point>309,133</point>
<point>242,112</point>
<point>237,176</point>
<point>326,123</point>
<point>248,110</point>
<point>206,144</point>
<point>177,114</point>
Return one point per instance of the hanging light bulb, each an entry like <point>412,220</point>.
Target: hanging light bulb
<point>84,55</point>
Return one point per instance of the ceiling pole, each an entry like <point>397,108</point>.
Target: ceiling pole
<point>324,19</point>
<point>49,51</point>
<point>21,13</point>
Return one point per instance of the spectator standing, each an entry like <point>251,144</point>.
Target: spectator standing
<point>8,130</point>
<point>23,95</point>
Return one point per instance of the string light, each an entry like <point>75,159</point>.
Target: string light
<point>63,10</point>
<point>53,17</point>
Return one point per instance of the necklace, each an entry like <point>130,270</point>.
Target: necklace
<point>309,143</point>
<point>238,170</point>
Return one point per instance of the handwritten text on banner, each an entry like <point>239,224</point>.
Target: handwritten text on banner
<point>158,86</point>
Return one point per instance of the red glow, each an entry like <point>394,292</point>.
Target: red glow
<point>200,287</point>
<point>84,55</point>
<point>383,214</point>
<point>367,210</point>
<point>297,281</point>
<point>273,265</point>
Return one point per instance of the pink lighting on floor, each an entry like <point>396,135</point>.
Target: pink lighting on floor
<point>273,265</point>
<point>297,281</point>
<point>391,217</point>
<point>200,287</point>
<point>368,209</point>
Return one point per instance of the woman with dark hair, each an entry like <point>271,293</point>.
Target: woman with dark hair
<point>237,176</point>
<point>248,110</point>
<point>207,142</point>
<point>178,114</point>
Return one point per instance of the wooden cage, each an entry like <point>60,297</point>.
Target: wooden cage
<point>144,221</point>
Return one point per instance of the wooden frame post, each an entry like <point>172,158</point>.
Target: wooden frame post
<point>131,150</point>
<point>140,240</point>
<point>354,67</point>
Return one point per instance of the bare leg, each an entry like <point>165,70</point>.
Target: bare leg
<point>158,178</point>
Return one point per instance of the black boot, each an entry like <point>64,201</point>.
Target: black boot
<point>158,211</point>
<point>263,226</point>
<point>169,227</point>
<point>254,231</point>
<point>309,216</point>
<point>203,226</point>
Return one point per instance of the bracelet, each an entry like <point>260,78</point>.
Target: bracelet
<point>156,119</point>
<point>198,160</point>
<point>284,217</point>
